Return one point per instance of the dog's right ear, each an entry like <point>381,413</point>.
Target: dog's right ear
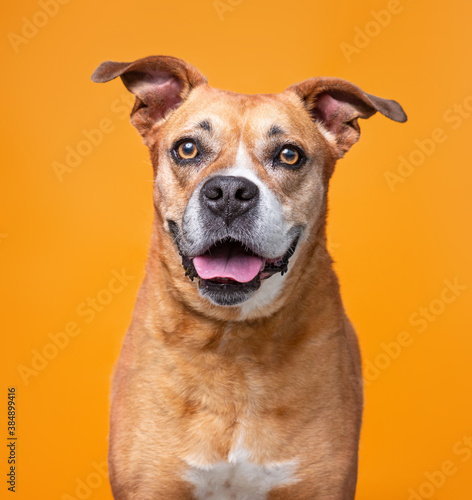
<point>337,105</point>
<point>160,84</point>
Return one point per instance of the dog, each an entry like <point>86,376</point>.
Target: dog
<point>240,375</point>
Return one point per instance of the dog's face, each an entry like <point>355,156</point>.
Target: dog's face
<point>230,168</point>
<point>241,181</point>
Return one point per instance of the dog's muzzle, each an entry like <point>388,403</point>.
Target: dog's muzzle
<point>220,269</point>
<point>229,260</point>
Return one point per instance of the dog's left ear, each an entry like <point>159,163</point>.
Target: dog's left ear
<point>337,104</point>
<point>160,84</point>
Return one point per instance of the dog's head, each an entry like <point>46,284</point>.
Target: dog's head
<point>241,180</point>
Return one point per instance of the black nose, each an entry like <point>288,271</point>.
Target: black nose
<point>228,196</point>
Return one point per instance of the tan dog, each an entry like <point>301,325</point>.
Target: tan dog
<point>240,375</point>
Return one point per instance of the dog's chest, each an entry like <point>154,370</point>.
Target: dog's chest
<point>238,478</point>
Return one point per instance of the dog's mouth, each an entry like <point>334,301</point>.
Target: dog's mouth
<point>230,266</point>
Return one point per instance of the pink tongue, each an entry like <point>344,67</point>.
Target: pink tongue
<point>228,261</point>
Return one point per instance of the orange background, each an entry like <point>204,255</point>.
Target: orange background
<point>394,247</point>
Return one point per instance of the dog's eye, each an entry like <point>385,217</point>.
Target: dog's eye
<point>290,156</point>
<point>187,150</point>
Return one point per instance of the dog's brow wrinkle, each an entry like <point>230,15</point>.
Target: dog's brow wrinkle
<point>205,125</point>
<point>275,130</point>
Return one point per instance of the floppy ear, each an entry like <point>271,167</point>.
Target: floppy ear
<point>160,84</point>
<point>336,105</point>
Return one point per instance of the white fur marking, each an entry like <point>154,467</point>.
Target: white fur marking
<point>267,293</point>
<point>269,290</point>
<point>327,133</point>
<point>271,226</point>
<point>238,478</point>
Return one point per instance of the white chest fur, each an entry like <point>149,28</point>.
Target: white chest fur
<point>238,478</point>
